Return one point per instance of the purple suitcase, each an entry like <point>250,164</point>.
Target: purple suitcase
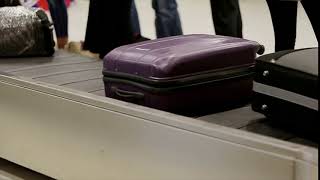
<point>182,74</point>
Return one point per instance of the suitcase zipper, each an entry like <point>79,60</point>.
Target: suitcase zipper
<point>160,85</point>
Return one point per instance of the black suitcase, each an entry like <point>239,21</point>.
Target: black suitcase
<point>286,90</point>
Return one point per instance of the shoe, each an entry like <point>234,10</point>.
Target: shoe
<point>62,42</point>
<point>140,38</point>
<point>76,47</point>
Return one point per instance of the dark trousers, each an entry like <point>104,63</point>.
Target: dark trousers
<point>108,25</point>
<point>284,19</point>
<point>226,17</point>
<point>59,14</point>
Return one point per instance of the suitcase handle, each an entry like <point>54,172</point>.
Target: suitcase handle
<point>127,94</point>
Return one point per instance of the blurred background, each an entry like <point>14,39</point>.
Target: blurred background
<point>196,18</point>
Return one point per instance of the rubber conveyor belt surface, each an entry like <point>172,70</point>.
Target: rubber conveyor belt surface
<point>63,69</point>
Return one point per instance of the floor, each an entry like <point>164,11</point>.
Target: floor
<point>196,18</point>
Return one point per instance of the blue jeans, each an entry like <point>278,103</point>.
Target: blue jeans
<point>134,18</point>
<point>59,14</point>
<point>167,20</point>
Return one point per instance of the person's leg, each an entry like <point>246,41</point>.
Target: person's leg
<point>167,20</point>
<point>59,14</point>
<point>226,17</point>
<point>135,19</point>
<point>284,19</point>
<point>310,7</point>
<point>108,26</point>
<point>135,24</point>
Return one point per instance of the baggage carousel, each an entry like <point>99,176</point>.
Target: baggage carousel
<point>85,74</point>
<point>74,77</point>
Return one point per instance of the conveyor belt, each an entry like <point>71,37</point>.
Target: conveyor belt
<point>85,74</point>
<point>63,69</point>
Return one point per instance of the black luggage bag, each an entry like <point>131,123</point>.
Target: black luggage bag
<point>286,90</point>
<point>25,32</point>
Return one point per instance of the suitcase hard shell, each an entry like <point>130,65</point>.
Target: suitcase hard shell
<point>286,89</point>
<point>183,73</point>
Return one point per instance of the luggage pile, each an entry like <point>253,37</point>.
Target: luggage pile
<point>196,74</point>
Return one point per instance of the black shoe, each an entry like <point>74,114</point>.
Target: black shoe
<point>140,38</point>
